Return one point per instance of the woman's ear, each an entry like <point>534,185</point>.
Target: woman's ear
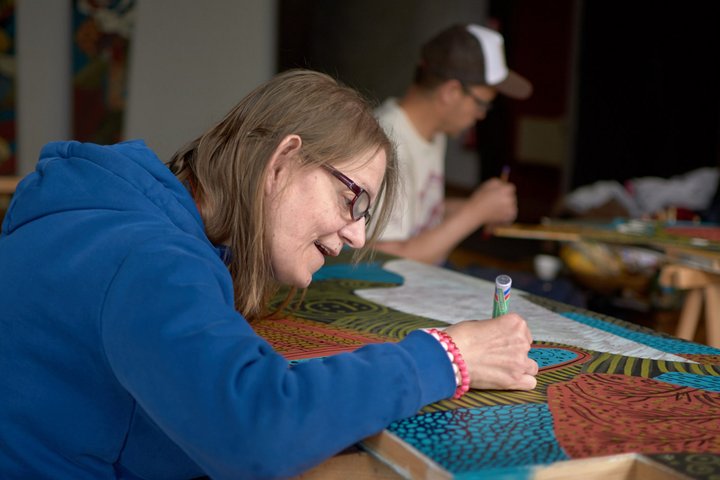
<point>283,160</point>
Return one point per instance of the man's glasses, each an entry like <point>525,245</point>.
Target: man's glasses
<point>481,104</point>
<point>360,205</point>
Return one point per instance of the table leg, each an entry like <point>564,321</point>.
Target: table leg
<point>690,314</point>
<point>712,314</point>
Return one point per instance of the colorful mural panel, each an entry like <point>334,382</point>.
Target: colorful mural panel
<point>7,88</point>
<point>102,32</point>
<point>662,401</point>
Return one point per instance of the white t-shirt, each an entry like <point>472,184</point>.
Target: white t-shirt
<point>422,174</point>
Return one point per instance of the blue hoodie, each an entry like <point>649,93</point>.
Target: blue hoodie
<point>122,356</point>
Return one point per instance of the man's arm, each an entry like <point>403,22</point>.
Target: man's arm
<point>493,202</point>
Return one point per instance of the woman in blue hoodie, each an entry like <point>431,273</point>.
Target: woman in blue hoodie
<point>127,287</point>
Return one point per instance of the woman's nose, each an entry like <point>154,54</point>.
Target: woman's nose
<point>353,233</point>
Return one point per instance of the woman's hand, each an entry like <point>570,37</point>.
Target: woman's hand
<point>496,352</point>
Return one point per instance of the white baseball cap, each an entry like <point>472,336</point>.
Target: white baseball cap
<point>474,55</point>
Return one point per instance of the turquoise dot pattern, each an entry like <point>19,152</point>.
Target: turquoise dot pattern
<point>547,357</point>
<point>665,344</point>
<point>703,382</point>
<point>464,441</point>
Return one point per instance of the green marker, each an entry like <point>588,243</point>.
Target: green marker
<point>501,302</point>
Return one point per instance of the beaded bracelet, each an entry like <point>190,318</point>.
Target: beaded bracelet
<point>462,377</point>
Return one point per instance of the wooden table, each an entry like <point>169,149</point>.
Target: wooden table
<point>614,400</point>
<point>678,237</point>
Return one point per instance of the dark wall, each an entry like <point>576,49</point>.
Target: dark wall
<point>539,45</point>
<point>637,81</point>
<point>649,89</point>
<point>371,45</point>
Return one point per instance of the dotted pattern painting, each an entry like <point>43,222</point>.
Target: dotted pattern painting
<point>711,234</point>
<point>694,465</point>
<point>642,367</point>
<point>466,440</point>
<point>299,339</point>
<point>587,402</point>
<point>664,343</point>
<point>606,414</point>
<point>705,382</point>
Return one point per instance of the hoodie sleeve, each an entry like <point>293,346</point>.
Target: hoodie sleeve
<point>220,392</point>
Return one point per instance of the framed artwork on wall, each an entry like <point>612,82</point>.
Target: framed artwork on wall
<point>7,87</point>
<point>102,32</point>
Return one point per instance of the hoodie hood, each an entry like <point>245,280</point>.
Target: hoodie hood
<point>81,176</point>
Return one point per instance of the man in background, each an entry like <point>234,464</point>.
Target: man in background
<point>460,72</point>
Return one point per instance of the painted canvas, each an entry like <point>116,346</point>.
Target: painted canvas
<point>605,387</point>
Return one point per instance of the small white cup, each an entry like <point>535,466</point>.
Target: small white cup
<point>547,266</point>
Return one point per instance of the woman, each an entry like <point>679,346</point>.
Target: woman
<point>123,354</point>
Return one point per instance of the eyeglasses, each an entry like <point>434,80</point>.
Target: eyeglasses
<point>360,205</point>
<point>481,104</point>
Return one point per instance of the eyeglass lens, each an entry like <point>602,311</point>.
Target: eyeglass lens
<point>361,206</point>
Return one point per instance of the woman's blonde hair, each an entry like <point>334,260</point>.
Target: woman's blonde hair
<point>225,167</point>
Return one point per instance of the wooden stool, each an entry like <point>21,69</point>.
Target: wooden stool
<point>700,285</point>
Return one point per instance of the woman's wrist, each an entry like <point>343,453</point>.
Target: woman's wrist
<point>462,376</point>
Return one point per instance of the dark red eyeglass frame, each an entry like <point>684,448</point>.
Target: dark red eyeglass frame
<point>360,193</point>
